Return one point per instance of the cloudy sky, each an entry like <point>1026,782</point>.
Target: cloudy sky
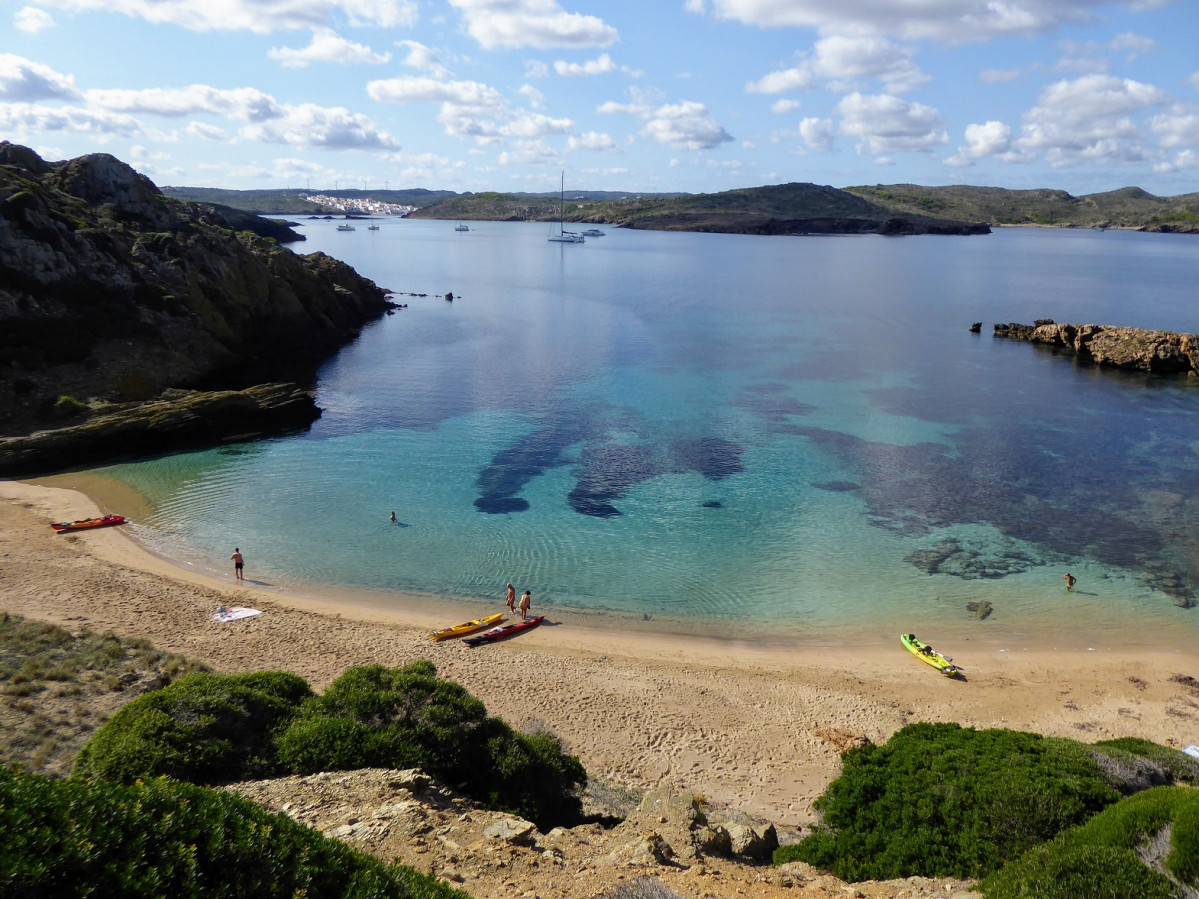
<point>652,95</point>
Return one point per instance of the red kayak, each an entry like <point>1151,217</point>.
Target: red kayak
<point>504,631</point>
<point>84,523</point>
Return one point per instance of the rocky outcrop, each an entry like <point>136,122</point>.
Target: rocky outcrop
<point>1159,352</point>
<point>179,419</point>
<point>666,845</point>
<point>112,293</point>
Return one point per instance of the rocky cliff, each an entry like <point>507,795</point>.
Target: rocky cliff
<point>1160,352</point>
<point>111,293</point>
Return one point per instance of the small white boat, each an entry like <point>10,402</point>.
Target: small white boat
<point>562,236</point>
<point>346,228</point>
<point>593,232</point>
<point>461,227</point>
<point>373,228</point>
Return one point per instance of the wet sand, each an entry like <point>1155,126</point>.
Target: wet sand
<point>755,726</point>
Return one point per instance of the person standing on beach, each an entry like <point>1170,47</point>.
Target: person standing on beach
<point>1070,580</point>
<point>511,599</point>
<point>239,564</point>
<point>525,599</point>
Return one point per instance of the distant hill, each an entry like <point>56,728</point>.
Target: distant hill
<point>777,209</point>
<point>292,201</point>
<point>771,209</point>
<point>1127,208</point>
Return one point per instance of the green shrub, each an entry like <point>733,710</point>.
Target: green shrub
<point>408,717</point>
<point>1103,858</point>
<point>1138,764</point>
<point>75,838</point>
<point>939,800</point>
<point>205,728</point>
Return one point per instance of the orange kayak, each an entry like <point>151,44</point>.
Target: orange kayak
<point>467,627</point>
<point>84,523</point>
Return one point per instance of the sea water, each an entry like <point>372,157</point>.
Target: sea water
<point>785,434</point>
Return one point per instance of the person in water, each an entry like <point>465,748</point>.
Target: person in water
<point>1070,580</point>
<point>239,564</point>
<point>393,516</point>
<point>511,599</point>
<point>525,599</point>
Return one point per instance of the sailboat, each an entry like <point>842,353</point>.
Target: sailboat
<point>562,236</point>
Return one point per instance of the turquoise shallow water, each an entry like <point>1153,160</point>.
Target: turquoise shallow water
<point>788,433</point>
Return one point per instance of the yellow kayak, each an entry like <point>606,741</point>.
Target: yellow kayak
<point>467,627</point>
<point>926,653</point>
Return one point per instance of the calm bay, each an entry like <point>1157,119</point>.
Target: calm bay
<point>730,433</point>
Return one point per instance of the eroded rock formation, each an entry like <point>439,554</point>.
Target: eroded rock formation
<point>1160,352</point>
<point>111,293</point>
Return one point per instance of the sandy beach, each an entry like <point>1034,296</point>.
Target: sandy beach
<point>752,727</point>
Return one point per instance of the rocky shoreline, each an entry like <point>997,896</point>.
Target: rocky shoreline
<point>1135,349</point>
<point>134,324</point>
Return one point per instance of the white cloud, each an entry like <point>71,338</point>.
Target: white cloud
<point>469,109</point>
<point>32,20</point>
<point>531,23</point>
<point>1178,126</point>
<point>430,90</point>
<point>598,66</point>
<point>686,126</point>
<point>592,140</point>
<point>246,104</point>
<point>794,79</point>
<point>988,139</point>
<point>818,134</point>
<point>204,131</point>
<point>259,16</point>
<point>23,79</point>
<point>1088,118</point>
<point>949,20</point>
<point>887,124</point>
<point>21,118</point>
<point>531,153</point>
<point>320,127</point>
<point>783,107</point>
<point>422,58</point>
<point>847,59</point>
<point>328,46</point>
<point>535,97</point>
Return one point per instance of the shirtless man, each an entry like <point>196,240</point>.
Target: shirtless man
<point>511,599</point>
<point>1071,580</point>
<point>239,564</point>
<point>525,599</point>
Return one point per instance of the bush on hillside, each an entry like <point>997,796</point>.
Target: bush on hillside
<point>408,717</point>
<point>68,838</point>
<point>205,728</point>
<point>939,800</point>
<point>1133,764</point>
<point>1144,846</point>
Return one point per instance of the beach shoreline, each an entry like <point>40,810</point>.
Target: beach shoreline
<point>755,725</point>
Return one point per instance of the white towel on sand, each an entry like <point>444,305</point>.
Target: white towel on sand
<point>234,613</point>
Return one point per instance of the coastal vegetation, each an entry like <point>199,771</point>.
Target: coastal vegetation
<point>1027,814</point>
<point>217,729</point>
<point>164,838</point>
<point>942,800</point>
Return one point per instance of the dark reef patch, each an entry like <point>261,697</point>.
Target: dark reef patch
<point>713,504</point>
<point>838,486</point>
<point>713,457</point>
<point>1034,487</point>
<point>606,472</point>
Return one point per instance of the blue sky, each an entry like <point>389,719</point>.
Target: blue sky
<point>681,95</point>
